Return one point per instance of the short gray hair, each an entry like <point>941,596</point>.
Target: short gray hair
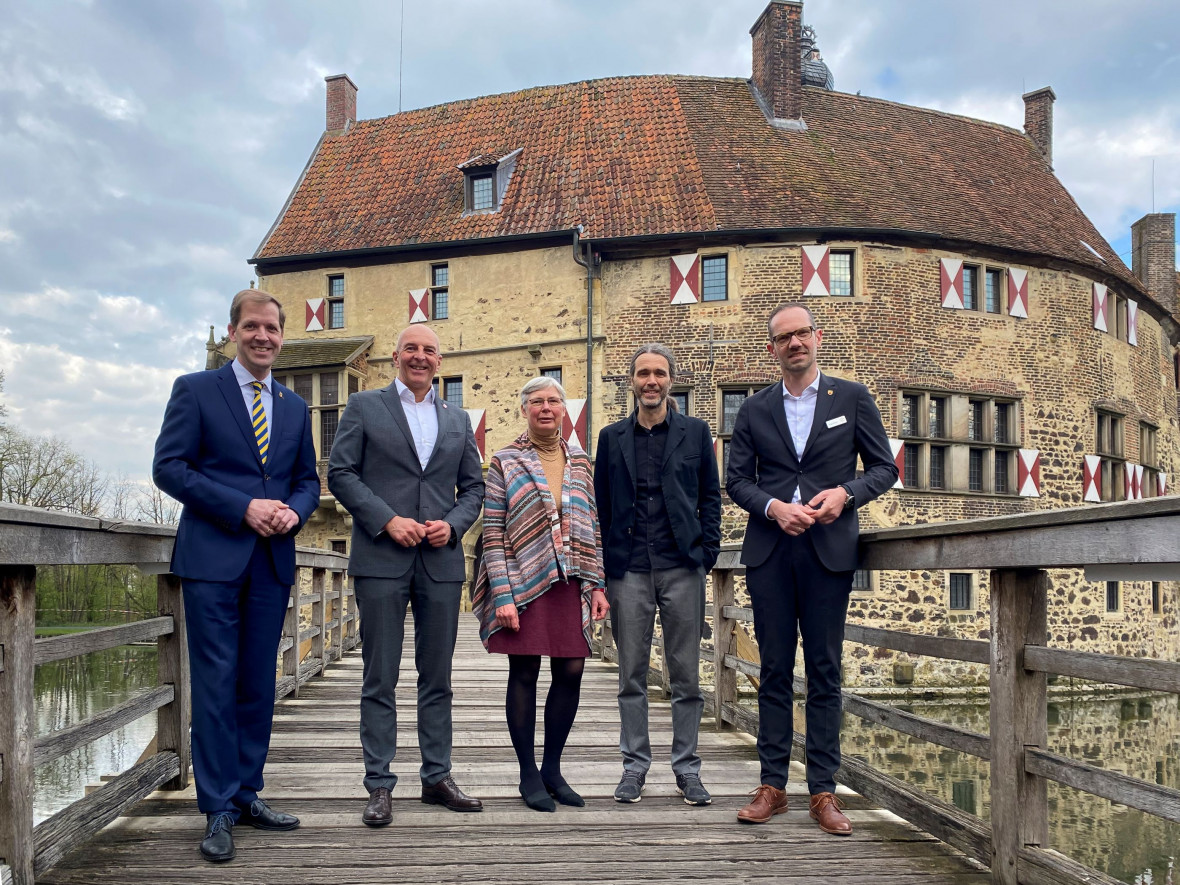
<point>793,305</point>
<point>659,350</point>
<point>540,383</point>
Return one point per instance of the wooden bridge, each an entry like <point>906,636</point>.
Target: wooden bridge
<point>315,766</point>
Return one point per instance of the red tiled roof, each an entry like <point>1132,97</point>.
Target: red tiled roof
<point>662,155</point>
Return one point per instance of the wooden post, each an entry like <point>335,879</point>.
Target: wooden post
<point>319,620</point>
<point>338,612</point>
<point>724,679</point>
<point>1019,801</point>
<point>291,632</point>
<point>18,612</point>
<point>172,720</point>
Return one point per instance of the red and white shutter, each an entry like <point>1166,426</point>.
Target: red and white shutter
<point>315,314</point>
<point>1133,322</point>
<point>1101,308</point>
<point>419,305</point>
<point>1091,474</point>
<point>817,274</point>
<point>897,446</point>
<point>1017,292</point>
<point>1133,481</point>
<point>1028,473</point>
<point>686,279</point>
<point>479,426</point>
<point>573,427</point>
<point>950,272</point>
<point>1161,484</point>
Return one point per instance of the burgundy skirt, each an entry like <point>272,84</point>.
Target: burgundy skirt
<point>550,625</point>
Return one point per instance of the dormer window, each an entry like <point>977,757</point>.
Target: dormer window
<point>485,180</point>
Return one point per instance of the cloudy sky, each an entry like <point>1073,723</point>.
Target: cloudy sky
<point>146,146</point>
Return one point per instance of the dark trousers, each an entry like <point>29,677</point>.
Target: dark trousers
<point>382,603</point>
<point>233,632</point>
<point>793,591</point>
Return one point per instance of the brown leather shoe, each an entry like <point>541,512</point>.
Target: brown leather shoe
<point>765,803</point>
<point>825,808</point>
<point>379,811</point>
<point>446,793</point>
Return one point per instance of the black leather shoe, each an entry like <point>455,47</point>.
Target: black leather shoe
<point>262,817</point>
<point>379,811</point>
<point>446,793</point>
<point>564,793</point>
<point>538,801</point>
<point>218,844</point>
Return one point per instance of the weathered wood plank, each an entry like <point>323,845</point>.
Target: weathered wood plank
<point>68,645</point>
<point>1154,799</point>
<point>915,643</point>
<point>1043,866</point>
<point>172,669</point>
<point>18,609</point>
<point>724,646</point>
<point>919,726</point>
<point>57,743</point>
<point>1146,673</point>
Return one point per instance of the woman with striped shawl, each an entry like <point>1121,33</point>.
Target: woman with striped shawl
<point>540,583</point>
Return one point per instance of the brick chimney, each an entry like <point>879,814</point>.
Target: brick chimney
<point>341,102</point>
<point>777,73</point>
<point>1038,120</point>
<point>1153,256</point>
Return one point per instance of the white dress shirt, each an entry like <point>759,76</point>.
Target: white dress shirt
<point>422,418</point>
<point>800,412</point>
<point>245,380</point>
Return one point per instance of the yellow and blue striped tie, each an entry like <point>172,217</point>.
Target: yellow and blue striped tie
<point>258,418</point>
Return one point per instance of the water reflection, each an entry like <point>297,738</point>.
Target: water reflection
<point>1137,736</point>
<point>69,691</point>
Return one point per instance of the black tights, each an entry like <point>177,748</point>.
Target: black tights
<point>561,706</point>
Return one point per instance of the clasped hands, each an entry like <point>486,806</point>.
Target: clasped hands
<point>508,618</point>
<point>795,519</point>
<point>410,533</point>
<point>268,517</point>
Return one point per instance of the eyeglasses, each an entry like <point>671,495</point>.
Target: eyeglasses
<point>803,335</point>
<point>552,402</point>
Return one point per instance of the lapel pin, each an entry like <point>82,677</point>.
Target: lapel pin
<point>831,392</point>
<point>280,394</point>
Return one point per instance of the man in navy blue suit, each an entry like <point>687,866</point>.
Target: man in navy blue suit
<point>792,466</point>
<point>236,450</point>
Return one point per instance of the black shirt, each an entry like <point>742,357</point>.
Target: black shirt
<point>652,544</point>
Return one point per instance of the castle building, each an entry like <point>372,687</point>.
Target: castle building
<point>1017,361</point>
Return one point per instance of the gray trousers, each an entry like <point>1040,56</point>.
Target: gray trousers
<point>679,594</point>
<point>382,603</point>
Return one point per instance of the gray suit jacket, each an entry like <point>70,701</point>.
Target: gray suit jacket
<point>374,472</point>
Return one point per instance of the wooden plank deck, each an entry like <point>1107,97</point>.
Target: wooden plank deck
<point>315,771</point>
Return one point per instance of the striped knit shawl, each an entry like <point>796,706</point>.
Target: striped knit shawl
<point>527,545</point>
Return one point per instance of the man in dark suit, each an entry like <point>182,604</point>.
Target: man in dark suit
<point>406,467</point>
<point>236,450</point>
<point>792,466</point>
<point>659,508</point>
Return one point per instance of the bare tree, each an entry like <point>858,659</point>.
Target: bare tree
<point>152,505</point>
<point>44,471</point>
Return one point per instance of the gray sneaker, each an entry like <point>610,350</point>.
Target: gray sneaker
<point>630,788</point>
<point>690,787</point>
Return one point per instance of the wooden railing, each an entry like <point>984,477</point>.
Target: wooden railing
<point>1132,541</point>
<point>30,538</point>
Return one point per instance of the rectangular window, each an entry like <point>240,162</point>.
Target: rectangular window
<point>938,426</point>
<point>975,470</point>
<point>862,581</point>
<point>453,391</point>
<point>1156,602</point>
<point>1120,318</point>
<point>1004,432</point>
<point>302,386</point>
<point>1110,434</point>
<point>553,372</point>
<point>329,389</point>
<point>731,401</point>
<point>970,287</point>
<point>440,292</point>
<point>1112,596</point>
<point>483,192</point>
<point>910,410</point>
<point>354,384</point>
<point>840,273</point>
<point>993,285</point>
<point>1147,446</point>
<point>335,310</point>
<point>1001,483</point>
<point>938,467</point>
<point>912,466</point>
<point>329,418</point>
<point>714,278</point>
<point>1109,440</point>
<point>680,397</point>
<point>960,592</point>
<point>975,420</point>
<point>339,546</point>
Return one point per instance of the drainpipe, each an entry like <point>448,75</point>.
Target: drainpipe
<point>588,263</point>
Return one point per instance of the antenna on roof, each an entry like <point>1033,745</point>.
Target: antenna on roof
<point>401,42</point>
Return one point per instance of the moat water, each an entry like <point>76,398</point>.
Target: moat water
<point>1136,735</point>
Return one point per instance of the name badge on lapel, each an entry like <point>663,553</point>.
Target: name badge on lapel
<point>837,421</point>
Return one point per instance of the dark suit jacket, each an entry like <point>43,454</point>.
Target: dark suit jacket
<point>375,473</point>
<point>207,459</point>
<point>763,465</point>
<point>692,490</point>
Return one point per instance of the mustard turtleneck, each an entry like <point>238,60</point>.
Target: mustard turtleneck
<point>552,457</point>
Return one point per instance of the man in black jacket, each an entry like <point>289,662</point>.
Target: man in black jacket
<point>659,507</point>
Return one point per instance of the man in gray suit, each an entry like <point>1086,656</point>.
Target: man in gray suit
<point>406,467</point>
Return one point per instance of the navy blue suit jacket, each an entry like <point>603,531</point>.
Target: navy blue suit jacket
<point>763,465</point>
<point>207,459</point>
<point>692,491</point>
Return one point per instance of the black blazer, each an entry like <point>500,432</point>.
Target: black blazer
<point>763,465</point>
<point>692,491</point>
